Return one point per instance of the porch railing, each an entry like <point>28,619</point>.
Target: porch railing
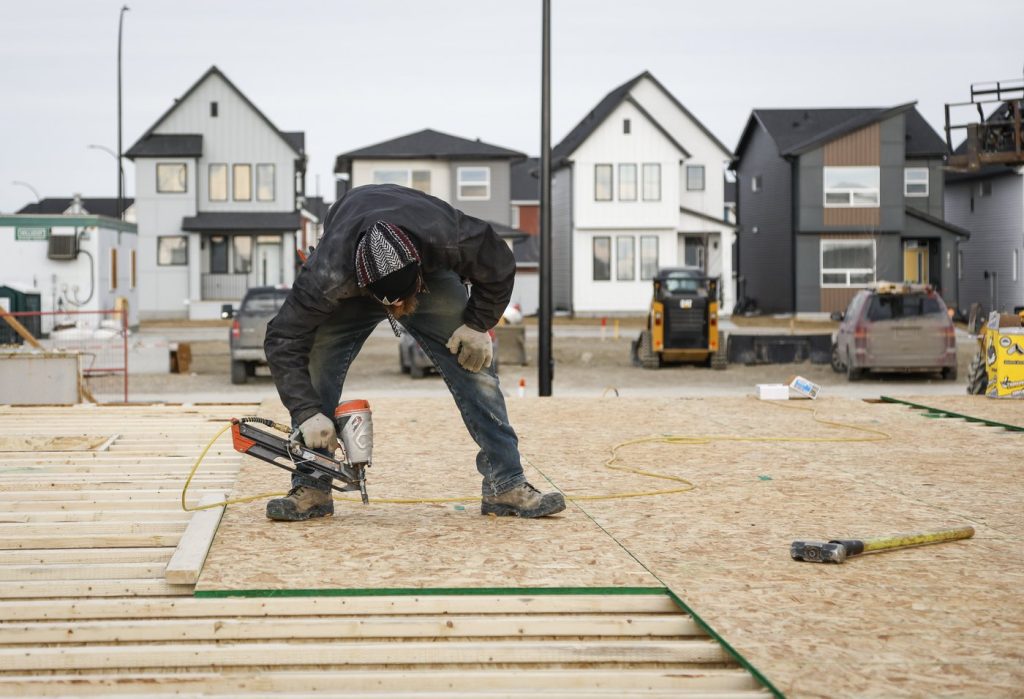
<point>224,287</point>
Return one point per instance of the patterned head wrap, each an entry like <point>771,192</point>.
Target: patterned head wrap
<point>388,266</point>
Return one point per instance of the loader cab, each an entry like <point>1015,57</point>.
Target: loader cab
<point>682,325</point>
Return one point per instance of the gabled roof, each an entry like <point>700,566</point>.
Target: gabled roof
<point>525,176</point>
<point>316,206</point>
<point>97,206</point>
<point>427,144</point>
<point>796,131</point>
<point>156,145</point>
<point>928,218</point>
<point>243,221</point>
<point>710,219</point>
<point>582,131</point>
<point>294,139</point>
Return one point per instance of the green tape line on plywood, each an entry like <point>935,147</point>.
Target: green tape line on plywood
<point>941,412</point>
<point>434,591</point>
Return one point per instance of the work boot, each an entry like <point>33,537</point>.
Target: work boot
<point>522,501</point>
<point>302,502</point>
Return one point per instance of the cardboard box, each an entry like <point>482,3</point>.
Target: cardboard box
<point>772,391</point>
<point>804,388</point>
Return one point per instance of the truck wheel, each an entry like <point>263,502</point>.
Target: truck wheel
<point>719,360</point>
<point>837,362</point>
<point>853,374</point>
<point>238,372</point>
<point>647,356</point>
<point>977,376</point>
<point>417,372</point>
<point>250,369</point>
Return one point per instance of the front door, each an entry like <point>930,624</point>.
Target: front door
<point>915,262</point>
<point>268,263</point>
<point>691,252</point>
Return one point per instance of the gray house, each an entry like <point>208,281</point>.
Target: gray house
<point>218,200</point>
<point>831,200</point>
<point>990,202</point>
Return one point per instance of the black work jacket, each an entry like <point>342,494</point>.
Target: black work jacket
<point>445,237</point>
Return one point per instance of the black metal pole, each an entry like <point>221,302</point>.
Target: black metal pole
<point>120,167</point>
<point>544,363</point>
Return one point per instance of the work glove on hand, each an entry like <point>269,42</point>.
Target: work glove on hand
<point>318,433</point>
<point>472,346</point>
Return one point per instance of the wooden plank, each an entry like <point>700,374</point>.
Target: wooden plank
<point>90,542</point>
<point>187,561</point>
<point>56,529</point>
<point>110,506</point>
<point>441,682</point>
<point>82,571</point>
<point>90,588</point>
<point>59,556</point>
<point>349,627</point>
<point>97,657</point>
<point>174,516</point>
<point>305,606</point>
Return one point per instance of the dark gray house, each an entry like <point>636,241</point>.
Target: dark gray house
<point>831,200</point>
<point>990,202</point>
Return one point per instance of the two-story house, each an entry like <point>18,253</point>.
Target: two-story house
<point>471,175</point>
<point>831,200</point>
<point>637,185</point>
<point>990,203</point>
<point>218,200</point>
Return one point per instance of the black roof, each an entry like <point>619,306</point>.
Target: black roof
<point>526,180</point>
<point>97,206</point>
<point>427,144</point>
<point>167,145</point>
<point>243,221</point>
<point>317,206</point>
<point>928,218</point>
<point>608,104</point>
<point>294,139</point>
<point>527,250</point>
<point>797,131</point>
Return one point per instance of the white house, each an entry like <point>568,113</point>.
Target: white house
<point>638,185</point>
<point>75,262</point>
<point>218,200</point>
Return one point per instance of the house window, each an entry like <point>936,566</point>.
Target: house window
<point>648,256</point>
<point>417,179</point>
<point>218,182</point>
<point>755,183</point>
<point>113,269</point>
<point>625,126</point>
<point>652,181</point>
<point>421,180</point>
<point>170,178</point>
<point>851,187</point>
<point>625,258</point>
<point>172,250</point>
<point>695,178</point>
<point>847,263</point>
<point>265,182</point>
<point>602,259</point>
<point>602,182</point>
<point>915,182</point>
<point>242,254</point>
<point>213,109</point>
<point>627,182</point>
<point>473,183</point>
<point>985,188</point>
<point>218,254</point>
<point>133,278</point>
<point>241,176</point>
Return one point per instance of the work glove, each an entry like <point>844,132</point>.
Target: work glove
<point>473,347</point>
<point>318,433</point>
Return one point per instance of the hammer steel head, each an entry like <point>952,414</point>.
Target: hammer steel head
<point>817,551</point>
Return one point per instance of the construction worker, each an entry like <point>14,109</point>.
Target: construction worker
<point>390,252</point>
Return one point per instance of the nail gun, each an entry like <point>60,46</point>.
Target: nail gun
<point>354,425</point>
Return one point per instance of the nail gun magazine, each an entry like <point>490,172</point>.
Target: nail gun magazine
<point>282,446</point>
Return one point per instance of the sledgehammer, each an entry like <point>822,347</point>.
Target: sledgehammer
<point>838,550</point>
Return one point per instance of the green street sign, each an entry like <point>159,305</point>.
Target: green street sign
<point>31,233</point>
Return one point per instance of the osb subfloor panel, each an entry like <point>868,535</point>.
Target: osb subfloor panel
<point>1004,410</point>
<point>932,620</point>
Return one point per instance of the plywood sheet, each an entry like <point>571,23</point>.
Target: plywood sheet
<point>38,443</point>
<point>934,619</point>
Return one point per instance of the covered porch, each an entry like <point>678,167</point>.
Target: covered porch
<point>707,243</point>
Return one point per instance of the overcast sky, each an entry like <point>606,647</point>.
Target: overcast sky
<point>355,72</point>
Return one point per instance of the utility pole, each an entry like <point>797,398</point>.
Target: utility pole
<point>544,363</point>
<point>120,155</point>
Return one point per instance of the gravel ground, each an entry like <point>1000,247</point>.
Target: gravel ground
<point>585,365</point>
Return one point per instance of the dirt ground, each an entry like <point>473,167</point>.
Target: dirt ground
<point>584,365</point>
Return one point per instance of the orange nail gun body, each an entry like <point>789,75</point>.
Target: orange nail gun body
<point>354,424</point>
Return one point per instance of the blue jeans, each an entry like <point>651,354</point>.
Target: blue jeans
<point>478,396</point>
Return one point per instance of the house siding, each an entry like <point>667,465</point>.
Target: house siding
<point>561,239</point>
<point>942,268</point>
<point>997,228</point>
<point>766,256</point>
<point>498,207</point>
<point>932,204</point>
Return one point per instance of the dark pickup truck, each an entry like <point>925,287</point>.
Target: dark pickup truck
<point>249,327</point>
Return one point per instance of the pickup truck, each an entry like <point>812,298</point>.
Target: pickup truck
<point>249,327</point>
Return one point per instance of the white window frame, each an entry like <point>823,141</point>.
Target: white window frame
<point>611,181</point>
<point>459,183</point>
<point>650,167</point>
<point>657,256</point>
<point>695,168</point>
<point>175,164</point>
<point>621,270</point>
<point>907,172</point>
<point>847,270</point>
<point>626,166</point>
<point>611,257</point>
<point>258,180</point>
<point>850,191</point>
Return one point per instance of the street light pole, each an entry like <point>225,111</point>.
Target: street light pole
<point>120,167</point>
<point>113,155</point>
<point>30,187</point>
<point>544,363</point>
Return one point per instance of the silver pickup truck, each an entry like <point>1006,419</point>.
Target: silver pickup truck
<point>249,327</point>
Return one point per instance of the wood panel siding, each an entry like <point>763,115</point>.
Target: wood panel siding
<point>863,147</point>
<point>836,299</point>
<point>862,216</point>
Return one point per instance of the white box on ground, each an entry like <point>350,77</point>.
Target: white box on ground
<point>804,388</point>
<point>772,391</point>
